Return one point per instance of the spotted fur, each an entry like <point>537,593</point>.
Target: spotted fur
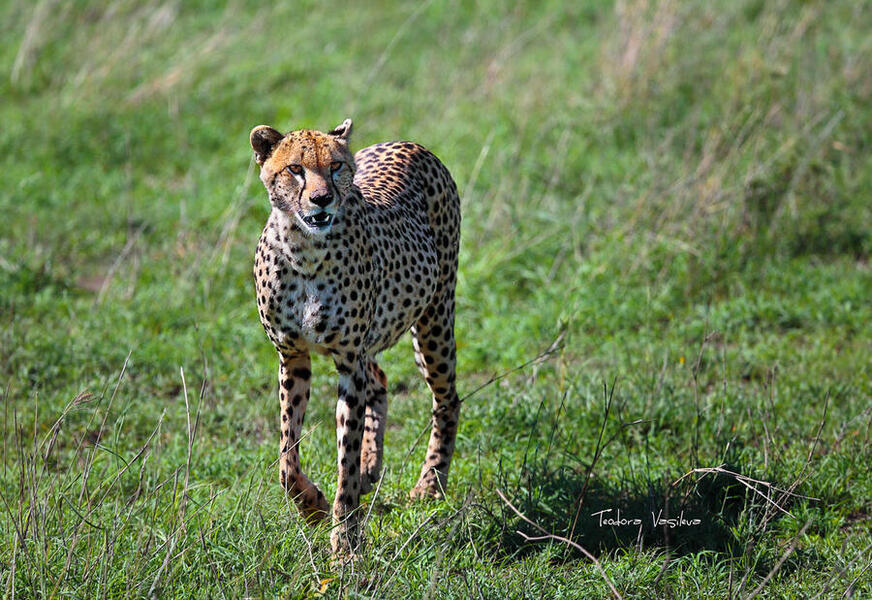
<point>357,250</point>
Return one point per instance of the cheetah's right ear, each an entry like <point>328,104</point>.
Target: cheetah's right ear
<point>263,139</point>
<point>342,131</point>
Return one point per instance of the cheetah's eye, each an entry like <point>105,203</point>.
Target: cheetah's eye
<point>295,169</point>
<point>335,166</point>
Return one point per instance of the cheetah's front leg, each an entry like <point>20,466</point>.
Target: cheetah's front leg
<point>294,376</point>
<point>373,427</point>
<point>350,409</point>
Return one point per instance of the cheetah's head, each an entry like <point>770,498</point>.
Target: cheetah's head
<point>307,173</point>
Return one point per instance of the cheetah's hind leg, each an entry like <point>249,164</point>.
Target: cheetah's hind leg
<point>435,355</point>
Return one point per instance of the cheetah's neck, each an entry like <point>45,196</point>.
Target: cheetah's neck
<point>304,253</point>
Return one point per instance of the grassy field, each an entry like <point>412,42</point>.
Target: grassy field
<point>664,272</point>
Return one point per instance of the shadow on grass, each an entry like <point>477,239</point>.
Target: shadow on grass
<point>715,515</point>
<point>682,520</point>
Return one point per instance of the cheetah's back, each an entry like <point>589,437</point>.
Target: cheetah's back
<point>413,213</point>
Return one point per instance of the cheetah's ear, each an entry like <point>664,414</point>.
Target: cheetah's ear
<point>263,139</point>
<point>342,131</point>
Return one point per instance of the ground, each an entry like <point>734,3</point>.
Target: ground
<point>671,197</point>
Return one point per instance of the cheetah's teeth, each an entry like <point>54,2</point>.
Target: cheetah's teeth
<point>319,220</point>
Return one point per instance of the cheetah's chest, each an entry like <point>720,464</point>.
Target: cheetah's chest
<point>369,284</point>
<point>301,313</point>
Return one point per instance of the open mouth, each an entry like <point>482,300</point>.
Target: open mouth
<point>318,221</point>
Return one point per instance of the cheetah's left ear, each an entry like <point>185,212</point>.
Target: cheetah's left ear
<point>342,131</point>
<point>263,140</point>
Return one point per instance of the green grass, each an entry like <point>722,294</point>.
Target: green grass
<point>678,192</point>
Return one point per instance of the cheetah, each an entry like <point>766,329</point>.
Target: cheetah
<point>357,250</point>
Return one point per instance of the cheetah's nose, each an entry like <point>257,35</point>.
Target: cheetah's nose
<point>321,200</point>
